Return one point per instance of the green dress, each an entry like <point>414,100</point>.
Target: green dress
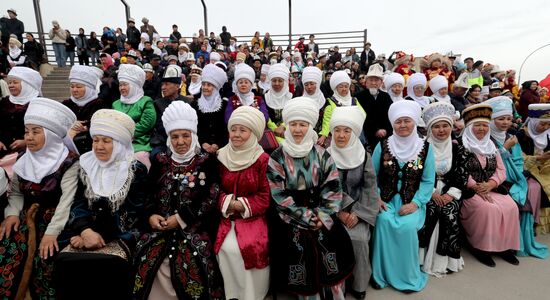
<point>144,114</point>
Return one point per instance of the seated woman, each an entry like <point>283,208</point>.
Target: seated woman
<point>107,214</point>
<point>312,252</point>
<point>311,80</point>
<point>84,102</point>
<point>139,107</point>
<point>242,241</point>
<point>24,85</point>
<point>339,83</point>
<point>489,215</point>
<point>440,88</point>
<point>439,238</point>
<point>184,190</point>
<point>210,107</point>
<point>42,191</point>
<point>527,196</point>
<point>405,168</point>
<point>534,141</point>
<point>360,204</point>
<point>276,98</point>
<point>416,87</point>
<point>394,83</point>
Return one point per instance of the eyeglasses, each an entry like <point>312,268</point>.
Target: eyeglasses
<point>419,88</point>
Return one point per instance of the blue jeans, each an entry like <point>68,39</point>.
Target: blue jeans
<point>60,54</point>
<point>94,55</point>
<point>70,56</point>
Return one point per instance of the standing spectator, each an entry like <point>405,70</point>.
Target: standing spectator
<point>34,52</point>
<point>300,45</point>
<point>175,35</point>
<point>367,57</point>
<point>132,33</point>
<point>225,36</point>
<point>81,42</point>
<point>257,39</point>
<point>336,56</point>
<point>529,95</point>
<point>59,38</point>
<point>94,46</point>
<point>120,38</point>
<point>11,26</point>
<point>149,29</point>
<point>267,41</point>
<point>70,45</point>
<point>312,46</point>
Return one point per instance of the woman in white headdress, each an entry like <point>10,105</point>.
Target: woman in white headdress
<point>244,81</point>
<point>185,197</point>
<point>340,84</point>
<point>439,238</point>
<point>84,102</point>
<point>394,83</point>
<point>440,88</point>
<point>139,107</point>
<point>360,204</point>
<point>195,84</point>
<point>489,215</point>
<point>276,98</point>
<point>16,56</point>
<point>24,85</point>
<point>416,87</point>
<point>311,80</point>
<point>264,84</point>
<point>242,241</point>
<point>312,253</point>
<point>210,107</point>
<point>107,215</point>
<point>405,167</point>
<point>42,191</point>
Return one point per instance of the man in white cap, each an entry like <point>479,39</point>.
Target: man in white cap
<point>376,103</point>
<point>460,87</point>
<point>10,26</point>
<point>151,87</point>
<point>170,86</point>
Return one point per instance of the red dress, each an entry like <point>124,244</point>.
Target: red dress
<point>251,184</point>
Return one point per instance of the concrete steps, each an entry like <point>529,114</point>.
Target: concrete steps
<point>56,84</point>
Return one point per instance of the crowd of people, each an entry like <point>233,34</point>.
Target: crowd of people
<point>219,169</point>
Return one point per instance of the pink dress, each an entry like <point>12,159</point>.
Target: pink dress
<point>491,226</point>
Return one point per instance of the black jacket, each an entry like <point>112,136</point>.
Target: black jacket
<point>377,115</point>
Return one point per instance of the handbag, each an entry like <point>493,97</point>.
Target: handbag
<point>268,141</point>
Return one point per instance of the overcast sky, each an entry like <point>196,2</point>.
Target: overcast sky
<point>499,32</point>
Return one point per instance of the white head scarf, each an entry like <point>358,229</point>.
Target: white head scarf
<point>472,144</point>
<point>353,154</point>
<point>273,99</point>
<point>390,80</point>
<point>244,71</point>
<point>539,139</point>
<point>109,178</point>
<point>217,77</point>
<point>195,86</point>
<point>180,115</point>
<point>405,148</point>
<point>88,77</point>
<point>34,166</point>
<point>135,77</point>
<point>300,109</point>
<point>313,74</point>
<point>414,80</point>
<point>240,158</point>
<point>134,94</point>
<point>31,82</point>
<point>337,78</point>
<point>502,106</point>
<point>437,83</point>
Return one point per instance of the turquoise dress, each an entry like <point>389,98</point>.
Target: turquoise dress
<point>395,258</point>
<point>513,160</point>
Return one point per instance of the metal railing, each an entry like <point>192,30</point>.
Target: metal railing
<point>325,40</point>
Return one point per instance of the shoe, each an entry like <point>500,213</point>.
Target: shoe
<point>408,291</point>
<point>375,285</point>
<point>356,294</point>
<point>484,258</point>
<point>509,257</point>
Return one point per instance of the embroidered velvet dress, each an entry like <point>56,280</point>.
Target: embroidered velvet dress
<point>83,141</point>
<point>191,192</point>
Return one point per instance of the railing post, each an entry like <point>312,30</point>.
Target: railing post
<point>290,23</point>
<point>127,10</point>
<point>205,18</point>
<point>40,26</point>
<point>364,37</point>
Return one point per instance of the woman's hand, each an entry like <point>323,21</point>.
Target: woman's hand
<point>156,222</point>
<point>18,145</point>
<point>77,242</point>
<point>510,142</point>
<point>3,147</point>
<point>92,239</point>
<point>408,209</point>
<point>382,205</point>
<point>170,223</point>
<point>48,246</point>
<point>321,140</point>
<point>280,131</point>
<point>11,223</point>
<point>318,223</point>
